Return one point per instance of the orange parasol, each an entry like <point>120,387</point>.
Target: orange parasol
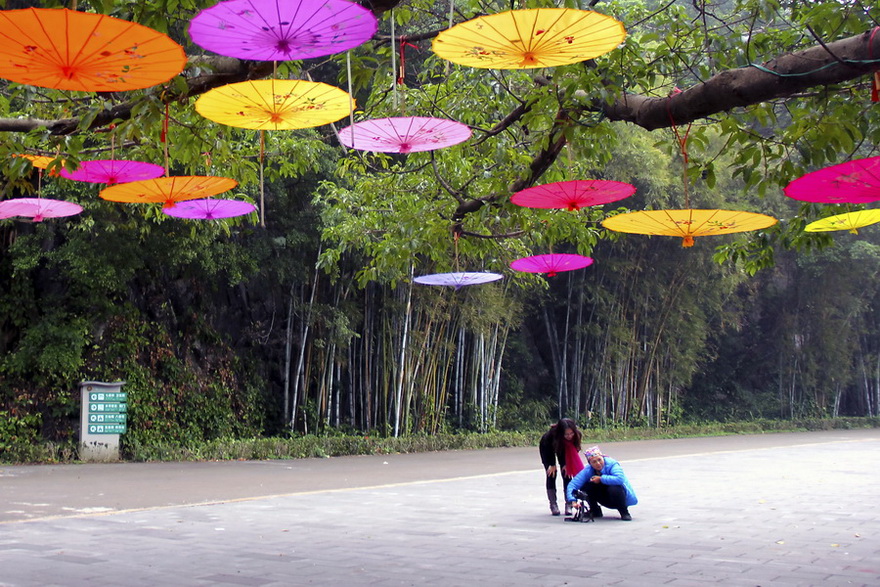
<point>69,50</point>
<point>168,190</point>
<point>851,221</point>
<point>275,104</point>
<point>526,39</point>
<point>688,223</point>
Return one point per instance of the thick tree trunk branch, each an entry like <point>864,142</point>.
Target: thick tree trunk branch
<point>833,63</point>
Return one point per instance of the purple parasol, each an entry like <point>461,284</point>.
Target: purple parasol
<point>551,264</point>
<point>457,280</point>
<point>113,171</point>
<point>210,209</point>
<point>853,182</point>
<point>573,195</point>
<point>405,134</point>
<point>38,208</point>
<point>279,30</point>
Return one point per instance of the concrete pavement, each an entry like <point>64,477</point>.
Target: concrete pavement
<point>774,509</point>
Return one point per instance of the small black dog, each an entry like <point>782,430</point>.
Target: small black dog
<point>581,513</point>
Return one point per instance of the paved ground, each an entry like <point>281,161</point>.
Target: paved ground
<point>776,509</point>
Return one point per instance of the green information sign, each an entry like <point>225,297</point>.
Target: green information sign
<point>112,407</point>
<point>100,396</point>
<point>108,418</point>
<point>107,428</point>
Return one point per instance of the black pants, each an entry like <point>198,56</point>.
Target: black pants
<point>551,483</point>
<point>610,496</point>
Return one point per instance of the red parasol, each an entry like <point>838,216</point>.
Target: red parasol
<point>275,30</point>
<point>83,51</point>
<point>573,195</point>
<point>405,134</point>
<point>38,208</point>
<point>551,264</point>
<point>210,209</point>
<point>113,171</point>
<point>457,279</point>
<point>853,182</point>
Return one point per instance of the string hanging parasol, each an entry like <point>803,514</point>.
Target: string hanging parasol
<point>282,30</point>
<point>852,182</point>
<point>168,190</point>
<point>527,39</point>
<point>68,50</point>
<point>113,171</point>
<point>38,208</point>
<point>210,209</point>
<point>404,134</point>
<point>573,195</point>
<point>551,263</point>
<point>458,279</point>
<point>851,221</point>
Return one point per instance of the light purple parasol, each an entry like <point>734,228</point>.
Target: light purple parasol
<point>38,208</point>
<point>210,209</point>
<point>404,134</point>
<point>551,264</point>
<point>853,182</point>
<point>573,195</point>
<point>113,171</point>
<point>282,30</point>
<point>457,279</point>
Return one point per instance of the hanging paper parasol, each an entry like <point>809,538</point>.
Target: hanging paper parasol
<point>573,195</point>
<point>67,50</point>
<point>525,39</point>
<point>168,190</point>
<point>406,134</point>
<point>210,209</point>
<point>38,208</point>
<point>274,104</point>
<point>113,171</point>
<point>688,223</point>
<point>851,221</point>
<point>551,264</point>
<point>279,30</point>
<point>853,182</point>
<point>457,279</point>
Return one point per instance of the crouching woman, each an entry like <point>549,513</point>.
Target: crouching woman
<point>605,484</point>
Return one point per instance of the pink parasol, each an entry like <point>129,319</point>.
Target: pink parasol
<point>458,279</point>
<point>573,195</point>
<point>113,171</point>
<point>405,134</point>
<point>279,30</point>
<point>551,264</point>
<point>853,182</point>
<point>38,208</point>
<point>210,209</point>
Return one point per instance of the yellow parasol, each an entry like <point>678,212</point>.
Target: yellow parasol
<point>688,223</point>
<point>168,190</point>
<point>526,39</point>
<point>275,104</point>
<point>851,221</point>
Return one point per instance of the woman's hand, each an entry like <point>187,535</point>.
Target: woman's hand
<point>551,470</point>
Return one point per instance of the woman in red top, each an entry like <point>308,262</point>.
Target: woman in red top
<point>562,444</point>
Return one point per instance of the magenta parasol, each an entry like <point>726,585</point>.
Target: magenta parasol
<point>405,134</point>
<point>38,208</point>
<point>551,264</point>
<point>853,182</point>
<point>113,171</point>
<point>282,30</point>
<point>210,209</point>
<point>457,279</point>
<point>573,195</point>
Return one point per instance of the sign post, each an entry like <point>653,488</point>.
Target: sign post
<point>103,417</point>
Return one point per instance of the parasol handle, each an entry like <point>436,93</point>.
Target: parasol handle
<point>262,183</point>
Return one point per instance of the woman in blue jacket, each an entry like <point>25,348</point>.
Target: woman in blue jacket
<point>605,483</point>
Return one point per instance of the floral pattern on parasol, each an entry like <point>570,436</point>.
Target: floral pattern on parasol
<point>282,30</point>
<point>688,223</point>
<point>853,182</point>
<point>168,190</point>
<point>851,221</point>
<point>405,134</point>
<point>113,171</point>
<point>38,208</point>
<point>573,195</point>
